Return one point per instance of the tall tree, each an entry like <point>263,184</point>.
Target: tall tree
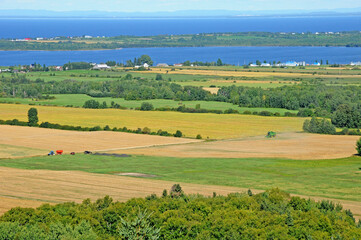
<point>33,117</point>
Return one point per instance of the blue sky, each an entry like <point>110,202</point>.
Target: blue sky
<point>174,5</point>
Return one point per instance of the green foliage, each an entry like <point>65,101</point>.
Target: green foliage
<point>346,116</point>
<point>146,106</point>
<point>77,65</point>
<point>269,215</point>
<point>316,125</point>
<point>91,104</point>
<point>158,77</point>
<point>139,228</point>
<point>33,117</point>
<point>176,191</point>
<point>178,134</point>
<point>198,136</point>
<point>358,146</point>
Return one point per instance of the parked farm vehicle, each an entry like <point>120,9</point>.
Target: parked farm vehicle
<point>271,134</point>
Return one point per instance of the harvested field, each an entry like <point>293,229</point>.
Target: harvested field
<point>214,126</point>
<point>7,203</point>
<point>246,73</point>
<point>74,141</point>
<point>30,188</point>
<point>286,145</point>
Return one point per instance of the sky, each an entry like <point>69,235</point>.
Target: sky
<point>175,5</point>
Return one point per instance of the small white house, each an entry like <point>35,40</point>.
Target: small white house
<point>101,66</point>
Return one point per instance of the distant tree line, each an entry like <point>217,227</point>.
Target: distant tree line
<point>346,39</point>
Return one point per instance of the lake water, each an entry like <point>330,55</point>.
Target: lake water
<point>230,55</point>
<point>22,28</point>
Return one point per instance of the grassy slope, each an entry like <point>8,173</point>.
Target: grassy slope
<point>78,100</point>
<point>339,179</point>
<point>214,126</point>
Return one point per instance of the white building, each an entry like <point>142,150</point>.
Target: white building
<point>101,66</point>
<point>355,63</point>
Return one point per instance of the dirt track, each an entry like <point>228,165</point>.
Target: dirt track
<point>69,141</point>
<point>301,146</point>
<point>30,188</point>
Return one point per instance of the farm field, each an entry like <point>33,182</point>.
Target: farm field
<point>302,146</point>
<point>78,100</point>
<point>213,126</point>
<point>26,141</point>
<point>336,179</point>
<point>31,188</point>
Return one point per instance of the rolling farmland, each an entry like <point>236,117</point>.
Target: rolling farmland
<point>212,126</point>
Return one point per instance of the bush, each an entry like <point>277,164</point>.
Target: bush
<point>265,113</point>
<point>247,112</point>
<point>178,134</point>
<point>146,106</point>
<point>91,104</point>
<point>289,114</point>
<point>158,77</point>
<point>358,147</point>
<point>199,136</point>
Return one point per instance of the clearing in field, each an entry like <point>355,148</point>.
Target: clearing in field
<point>303,146</point>
<point>213,126</point>
<point>27,141</point>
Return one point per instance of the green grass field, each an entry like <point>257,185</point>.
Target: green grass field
<point>78,100</point>
<point>338,179</point>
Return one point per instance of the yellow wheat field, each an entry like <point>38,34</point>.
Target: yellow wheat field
<point>214,126</point>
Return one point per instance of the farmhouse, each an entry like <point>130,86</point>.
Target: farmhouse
<point>178,65</point>
<point>101,66</point>
<point>145,65</point>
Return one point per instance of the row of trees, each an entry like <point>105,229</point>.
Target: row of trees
<point>175,215</point>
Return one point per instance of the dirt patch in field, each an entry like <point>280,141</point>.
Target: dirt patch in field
<point>75,141</point>
<point>211,90</point>
<point>31,188</point>
<point>286,145</point>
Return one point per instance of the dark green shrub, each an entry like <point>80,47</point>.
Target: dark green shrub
<point>146,106</point>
